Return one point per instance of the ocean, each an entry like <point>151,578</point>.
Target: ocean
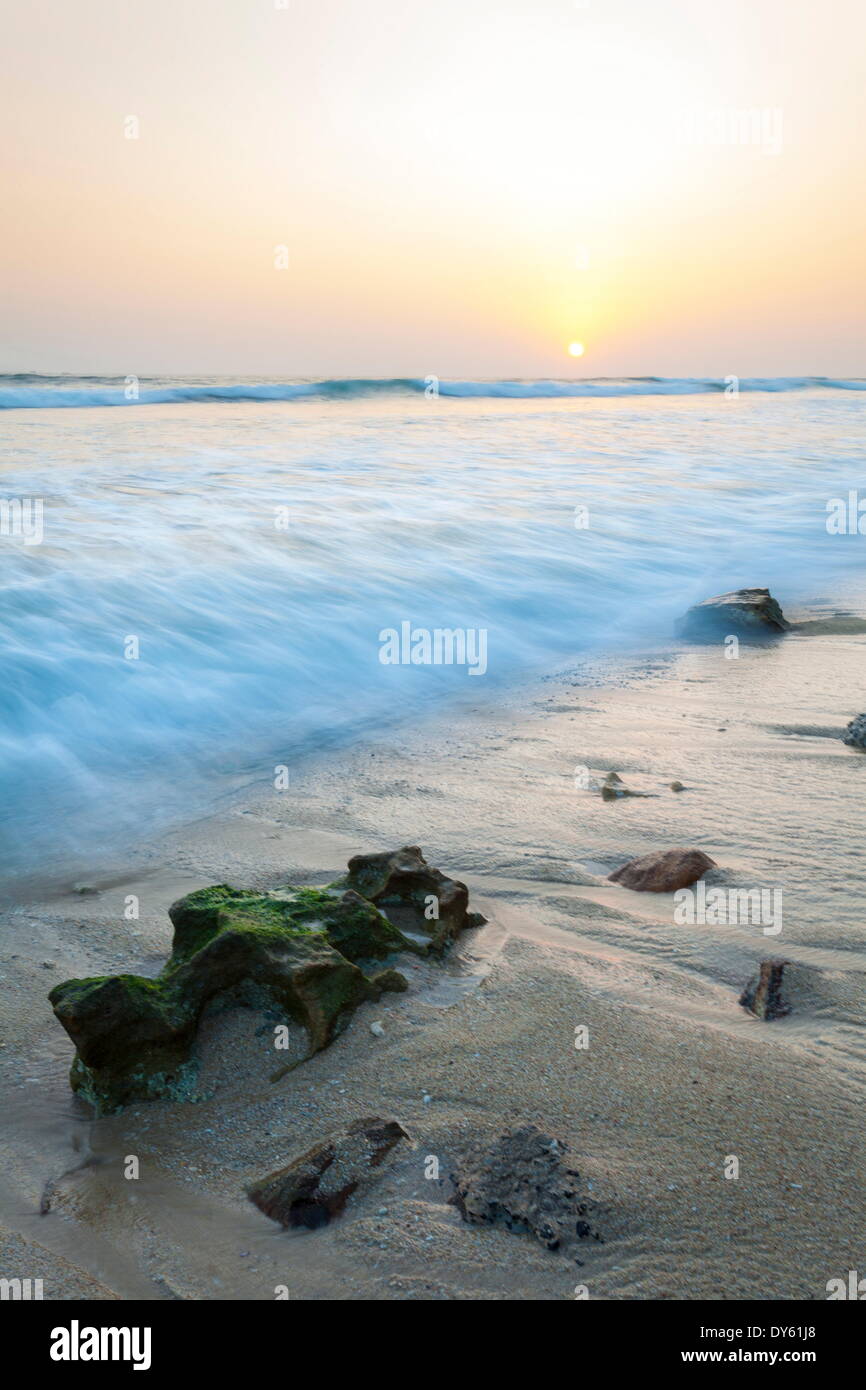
<point>198,577</point>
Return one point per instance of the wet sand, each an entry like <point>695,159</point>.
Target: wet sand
<point>677,1077</point>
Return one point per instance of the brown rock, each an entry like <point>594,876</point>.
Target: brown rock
<point>315,1187</point>
<point>763,995</point>
<point>390,980</point>
<point>664,871</point>
<point>408,891</point>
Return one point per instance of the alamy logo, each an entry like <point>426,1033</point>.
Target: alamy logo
<point>714,907</point>
<point>77,1343</point>
<point>22,517</point>
<point>847,516</point>
<point>439,646</point>
<point>20,1290</point>
<point>757,126</point>
<point>854,1288</point>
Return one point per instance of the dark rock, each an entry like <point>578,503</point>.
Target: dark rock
<point>521,1182</point>
<point>404,886</point>
<point>390,980</point>
<point>855,732</point>
<point>315,1187</point>
<point>664,871</point>
<point>613,787</point>
<point>748,613</point>
<point>353,926</point>
<point>295,953</point>
<point>763,995</point>
<point>134,1036</point>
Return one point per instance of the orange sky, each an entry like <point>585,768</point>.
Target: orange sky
<point>463,188</point>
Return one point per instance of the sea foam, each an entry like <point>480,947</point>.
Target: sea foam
<point>207,597</point>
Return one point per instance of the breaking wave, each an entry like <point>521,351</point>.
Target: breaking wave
<point>25,391</point>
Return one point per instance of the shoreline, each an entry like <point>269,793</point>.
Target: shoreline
<point>649,1112</point>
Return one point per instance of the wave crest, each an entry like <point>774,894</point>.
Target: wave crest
<point>23,391</point>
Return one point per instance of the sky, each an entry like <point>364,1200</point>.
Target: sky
<point>399,188</point>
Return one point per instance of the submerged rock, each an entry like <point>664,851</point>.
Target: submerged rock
<point>743,612</point>
<point>664,871</point>
<point>315,1187</point>
<point>418,899</point>
<point>763,995</point>
<point>295,953</point>
<point>522,1182</point>
<point>855,732</point>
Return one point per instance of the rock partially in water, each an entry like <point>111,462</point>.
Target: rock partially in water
<point>522,1182</point>
<point>613,787</point>
<point>296,954</point>
<point>315,1187</point>
<point>763,994</point>
<point>415,897</point>
<point>663,871</point>
<point>747,613</point>
<point>855,732</point>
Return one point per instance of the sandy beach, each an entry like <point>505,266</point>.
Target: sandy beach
<point>432,650</point>
<point>676,1079</point>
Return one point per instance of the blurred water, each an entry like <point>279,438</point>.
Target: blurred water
<point>163,523</point>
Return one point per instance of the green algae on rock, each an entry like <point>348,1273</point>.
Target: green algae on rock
<point>353,926</point>
<point>296,953</point>
<point>347,921</point>
<point>134,1037</point>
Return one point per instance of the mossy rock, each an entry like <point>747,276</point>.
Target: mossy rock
<point>356,928</point>
<point>296,953</point>
<point>134,1037</point>
<point>292,952</point>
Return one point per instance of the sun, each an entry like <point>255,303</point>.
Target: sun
<point>576,349</point>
